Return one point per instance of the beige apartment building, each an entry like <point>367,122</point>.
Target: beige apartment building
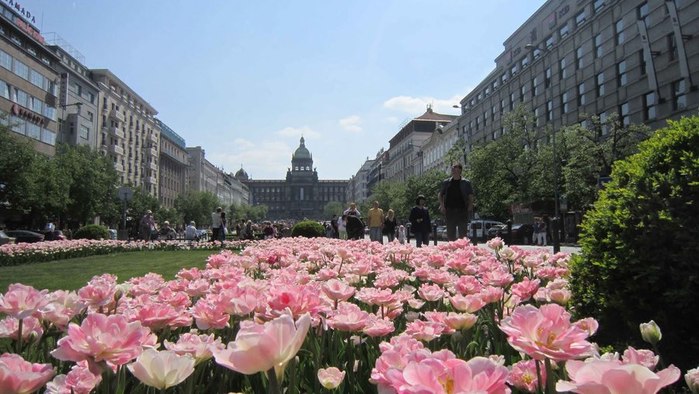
<point>128,133</point>
<point>173,165</point>
<point>28,88</point>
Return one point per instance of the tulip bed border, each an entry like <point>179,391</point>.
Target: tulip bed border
<point>306,315</point>
<point>27,253</point>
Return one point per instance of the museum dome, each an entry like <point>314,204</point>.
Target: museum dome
<point>302,152</point>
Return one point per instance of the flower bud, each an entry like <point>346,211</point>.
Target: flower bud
<point>650,332</point>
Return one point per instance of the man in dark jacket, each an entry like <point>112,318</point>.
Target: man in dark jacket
<point>456,202</point>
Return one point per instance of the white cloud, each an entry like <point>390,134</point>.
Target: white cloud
<point>351,123</point>
<point>263,161</point>
<point>304,131</point>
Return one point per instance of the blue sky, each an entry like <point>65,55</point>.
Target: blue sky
<point>244,80</point>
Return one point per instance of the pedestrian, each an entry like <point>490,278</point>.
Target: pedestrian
<point>389,225</point>
<point>420,221</point>
<point>216,225</point>
<point>375,219</point>
<point>223,229</point>
<point>190,233</point>
<point>355,225</point>
<point>147,225</point>
<point>456,202</point>
<point>540,228</point>
<point>334,225</point>
<point>401,234</point>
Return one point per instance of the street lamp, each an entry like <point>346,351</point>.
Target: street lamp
<point>555,220</point>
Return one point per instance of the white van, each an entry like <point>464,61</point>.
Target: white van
<point>478,229</point>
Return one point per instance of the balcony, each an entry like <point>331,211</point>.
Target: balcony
<point>115,131</point>
<point>116,149</point>
<point>114,114</point>
<point>119,168</point>
<point>149,180</point>
<point>152,138</point>
<point>152,152</point>
<point>152,166</point>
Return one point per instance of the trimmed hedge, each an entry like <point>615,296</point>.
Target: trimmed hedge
<point>92,231</point>
<point>640,247</point>
<point>308,229</point>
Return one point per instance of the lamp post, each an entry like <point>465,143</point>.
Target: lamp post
<point>556,216</point>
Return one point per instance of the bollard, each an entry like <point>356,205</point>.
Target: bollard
<point>434,233</point>
<point>508,241</point>
<point>556,235</point>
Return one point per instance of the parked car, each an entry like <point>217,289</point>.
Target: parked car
<point>521,233</point>
<point>25,236</point>
<point>5,239</point>
<point>478,229</point>
<point>55,235</point>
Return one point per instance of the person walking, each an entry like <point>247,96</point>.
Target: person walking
<point>216,224</point>
<point>354,224</point>
<point>375,222</point>
<point>456,202</point>
<point>420,222</point>
<point>147,225</point>
<point>389,225</point>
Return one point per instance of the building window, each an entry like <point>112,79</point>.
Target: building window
<point>642,62</point>
<point>562,72</point>
<point>549,42</point>
<point>598,45</point>
<point>579,63</point>
<point>5,60</point>
<point>522,92</point>
<point>580,18</point>
<point>513,70</point>
<point>624,114</point>
<point>642,12</point>
<point>603,123</point>
<point>84,132</point>
<point>619,31</point>
<point>503,78</point>
<point>563,31</point>
<point>549,110</point>
<point>679,97</point>
<point>600,84</point>
<point>503,105</point>
<point>495,85</point>
<point>535,86</point>
<point>564,102</point>
<point>649,103</point>
<point>525,62</point>
<point>487,91</point>
<point>537,53</point>
<point>598,5</point>
<point>513,99</point>
<point>547,77</point>
<point>536,116</point>
<point>581,94</point>
<point>671,47</point>
<point>485,119</point>
<point>621,76</point>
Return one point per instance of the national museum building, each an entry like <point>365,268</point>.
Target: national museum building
<point>301,195</point>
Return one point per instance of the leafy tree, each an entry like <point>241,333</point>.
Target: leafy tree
<point>93,182</point>
<point>513,168</point>
<point>333,208</point>
<point>18,170</point>
<point>390,195</point>
<point>197,206</point>
<point>51,190</point>
<point>258,212</point>
<point>639,246</point>
<point>426,184</point>
<point>589,153</point>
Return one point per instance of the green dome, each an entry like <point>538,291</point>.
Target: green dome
<point>301,151</point>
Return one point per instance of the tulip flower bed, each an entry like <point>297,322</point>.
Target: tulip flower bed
<point>312,315</point>
<point>24,253</point>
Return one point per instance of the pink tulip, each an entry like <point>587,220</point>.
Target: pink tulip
<point>22,301</point>
<point>100,291</point>
<point>162,369</point>
<point>523,376</point>
<point>612,377</point>
<point>546,333</point>
<point>18,376</point>
<point>80,380</point>
<point>261,347</point>
<point>692,380</point>
<point>338,290</point>
<point>200,347</point>
<point>104,338</point>
<point>330,378</point>
<point>31,327</point>
<point>348,317</point>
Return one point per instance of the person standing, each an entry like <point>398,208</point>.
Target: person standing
<point>216,225</point>
<point>456,202</point>
<point>222,230</point>
<point>341,229</point>
<point>420,221</point>
<point>147,225</point>
<point>389,225</point>
<point>375,222</point>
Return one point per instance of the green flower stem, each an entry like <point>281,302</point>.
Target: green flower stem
<point>273,387</point>
<point>539,380</point>
<point>550,378</point>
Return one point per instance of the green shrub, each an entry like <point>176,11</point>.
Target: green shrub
<point>640,247</point>
<point>308,229</point>
<point>92,231</point>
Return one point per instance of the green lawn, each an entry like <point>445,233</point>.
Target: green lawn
<point>72,274</point>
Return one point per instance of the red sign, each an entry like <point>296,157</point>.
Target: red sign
<point>31,116</point>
